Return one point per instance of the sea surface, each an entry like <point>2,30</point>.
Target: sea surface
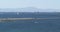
<point>50,25</point>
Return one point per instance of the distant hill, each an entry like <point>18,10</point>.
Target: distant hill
<point>28,9</point>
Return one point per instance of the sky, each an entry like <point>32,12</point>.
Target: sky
<point>42,4</point>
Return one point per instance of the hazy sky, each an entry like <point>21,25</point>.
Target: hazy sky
<point>43,4</point>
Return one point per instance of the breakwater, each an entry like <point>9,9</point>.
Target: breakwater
<point>4,19</point>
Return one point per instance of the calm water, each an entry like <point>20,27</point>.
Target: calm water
<point>52,25</point>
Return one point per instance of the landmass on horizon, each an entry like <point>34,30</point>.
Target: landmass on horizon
<point>28,9</point>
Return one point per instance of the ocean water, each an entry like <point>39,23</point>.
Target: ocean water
<point>50,25</point>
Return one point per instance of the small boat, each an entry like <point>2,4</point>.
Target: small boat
<point>36,22</point>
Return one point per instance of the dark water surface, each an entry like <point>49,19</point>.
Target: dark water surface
<point>51,25</point>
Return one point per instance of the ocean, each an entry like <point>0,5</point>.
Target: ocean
<point>50,25</point>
